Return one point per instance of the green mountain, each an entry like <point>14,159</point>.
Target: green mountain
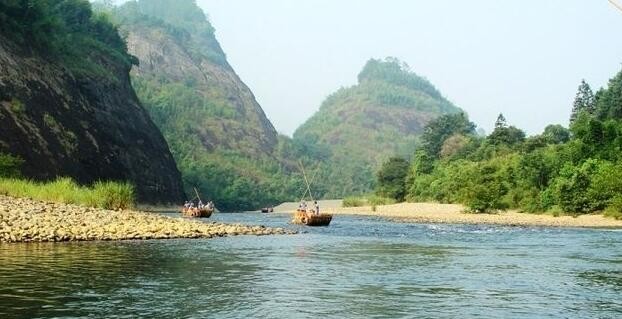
<point>223,143</point>
<point>67,106</point>
<point>358,127</point>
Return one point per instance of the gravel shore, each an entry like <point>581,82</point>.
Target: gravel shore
<point>26,220</point>
<point>454,214</point>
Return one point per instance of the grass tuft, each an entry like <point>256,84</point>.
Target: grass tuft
<point>106,195</point>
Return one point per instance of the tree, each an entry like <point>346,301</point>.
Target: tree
<point>504,134</point>
<point>392,178</point>
<point>487,191</point>
<point>453,145</point>
<point>609,101</point>
<point>439,130</point>
<point>584,101</point>
<point>556,134</point>
<point>501,122</point>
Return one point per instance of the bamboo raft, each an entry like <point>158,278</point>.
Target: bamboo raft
<point>197,213</point>
<point>311,219</point>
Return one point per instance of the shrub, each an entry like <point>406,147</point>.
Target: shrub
<point>10,165</point>
<point>392,178</point>
<point>353,202</point>
<point>486,193</point>
<point>615,208</point>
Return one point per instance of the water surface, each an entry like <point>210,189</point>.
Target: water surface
<point>359,267</point>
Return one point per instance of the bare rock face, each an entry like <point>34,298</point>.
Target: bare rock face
<point>89,127</point>
<point>163,55</point>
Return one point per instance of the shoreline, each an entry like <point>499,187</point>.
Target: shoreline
<point>27,220</point>
<point>435,213</point>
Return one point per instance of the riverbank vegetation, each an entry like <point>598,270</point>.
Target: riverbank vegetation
<point>573,171</point>
<point>105,195</point>
<point>370,200</point>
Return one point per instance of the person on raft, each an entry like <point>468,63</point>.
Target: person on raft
<point>317,208</point>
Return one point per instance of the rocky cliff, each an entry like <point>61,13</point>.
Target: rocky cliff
<point>221,138</point>
<point>77,115</point>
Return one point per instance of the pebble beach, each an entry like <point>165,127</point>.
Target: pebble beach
<point>454,214</point>
<point>26,220</point>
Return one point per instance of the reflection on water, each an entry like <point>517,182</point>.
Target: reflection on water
<point>357,268</point>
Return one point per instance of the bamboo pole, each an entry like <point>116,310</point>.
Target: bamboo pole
<point>196,192</point>
<point>616,4</point>
<point>304,174</point>
<point>312,180</point>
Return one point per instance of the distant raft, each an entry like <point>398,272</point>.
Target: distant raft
<point>267,210</point>
<point>197,213</point>
<point>311,219</point>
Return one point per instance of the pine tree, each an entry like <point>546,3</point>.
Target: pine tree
<point>583,102</point>
<point>501,122</point>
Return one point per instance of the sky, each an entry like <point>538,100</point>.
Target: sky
<point>524,59</point>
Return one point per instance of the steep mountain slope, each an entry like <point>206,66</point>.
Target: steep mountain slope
<point>222,140</point>
<point>358,127</point>
<point>67,106</point>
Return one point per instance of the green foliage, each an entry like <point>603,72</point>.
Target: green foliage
<point>442,128</point>
<point>574,171</point>
<point>379,200</point>
<point>486,191</point>
<point>354,202</point>
<point>106,195</point>
<point>584,101</point>
<point>609,101</point>
<point>615,208</point>
<point>397,73</point>
<point>10,165</point>
<point>371,200</point>
<point>392,178</point>
<point>183,20</point>
<point>571,188</point>
<point>67,31</point>
<point>504,134</point>
<point>17,106</point>
<point>113,195</point>
<point>359,127</point>
<point>556,134</point>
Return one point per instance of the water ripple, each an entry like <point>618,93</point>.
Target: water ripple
<point>357,268</point>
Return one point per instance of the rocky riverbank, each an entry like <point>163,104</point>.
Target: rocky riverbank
<point>26,220</point>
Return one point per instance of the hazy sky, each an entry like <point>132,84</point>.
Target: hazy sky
<point>523,58</point>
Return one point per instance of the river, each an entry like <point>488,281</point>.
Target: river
<point>359,267</point>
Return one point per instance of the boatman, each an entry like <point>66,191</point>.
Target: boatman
<point>317,208</point>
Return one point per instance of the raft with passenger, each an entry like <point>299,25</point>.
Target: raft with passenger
<point>302,217</point>
<point>310,216</point>
<point>199,210</point>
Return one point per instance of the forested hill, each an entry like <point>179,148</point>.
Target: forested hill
<point>67,106</point>
<point>220,137</point>
<point>358,127</point>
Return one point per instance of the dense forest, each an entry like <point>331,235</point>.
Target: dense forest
<point>358,127</point>
<point>576,170</point>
